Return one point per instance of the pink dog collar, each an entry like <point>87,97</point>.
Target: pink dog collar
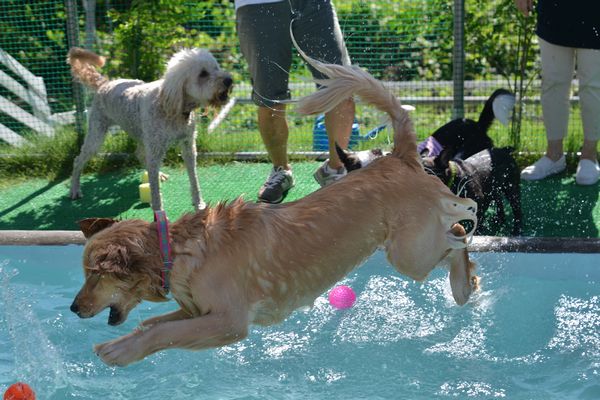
<point>164,241</point>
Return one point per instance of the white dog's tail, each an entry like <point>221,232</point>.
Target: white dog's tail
<point>83,67</point>
<point>345,81</point>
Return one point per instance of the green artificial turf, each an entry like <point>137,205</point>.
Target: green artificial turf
<point>555,207</point>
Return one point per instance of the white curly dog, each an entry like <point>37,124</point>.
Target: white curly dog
<point>156,114</point>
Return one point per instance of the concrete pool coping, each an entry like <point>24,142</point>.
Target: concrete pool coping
<point>479,243</point>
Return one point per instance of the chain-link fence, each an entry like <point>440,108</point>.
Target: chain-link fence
<point>410,44</point>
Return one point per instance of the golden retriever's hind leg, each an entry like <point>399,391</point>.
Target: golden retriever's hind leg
<point>463,280</point>
<point>474,278</point>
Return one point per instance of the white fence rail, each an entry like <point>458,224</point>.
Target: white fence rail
<point>40,119</point>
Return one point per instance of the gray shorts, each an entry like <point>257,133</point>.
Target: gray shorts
<point>264,34</point>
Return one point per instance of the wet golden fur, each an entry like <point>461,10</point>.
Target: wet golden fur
<point>242,263</point>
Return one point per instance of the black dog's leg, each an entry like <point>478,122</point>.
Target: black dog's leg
<point>499,208</point>
<point>512,192</point>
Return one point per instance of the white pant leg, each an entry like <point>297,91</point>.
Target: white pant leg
<point>588,73</point>
<point>558,64</point>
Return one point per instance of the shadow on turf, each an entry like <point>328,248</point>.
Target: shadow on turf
<point>107,195</point>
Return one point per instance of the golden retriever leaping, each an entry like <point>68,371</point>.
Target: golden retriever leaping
<point>244,263</point>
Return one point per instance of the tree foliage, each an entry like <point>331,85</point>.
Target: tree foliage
<point>394,39</point>
<point>147,33</point>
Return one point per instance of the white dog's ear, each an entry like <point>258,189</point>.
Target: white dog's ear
<point>171,96</point>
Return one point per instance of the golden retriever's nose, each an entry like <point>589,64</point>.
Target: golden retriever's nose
<point>75,308</point>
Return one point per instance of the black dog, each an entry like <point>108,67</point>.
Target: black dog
<point>466,136</point>
<point>485,173</point>
<point>490,175</point>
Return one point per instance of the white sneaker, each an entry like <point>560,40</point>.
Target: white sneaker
<point>588,172</point>
<point>543,168</point>
<point>325,175</point>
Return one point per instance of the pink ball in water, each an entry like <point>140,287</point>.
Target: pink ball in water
<point>342,297</point>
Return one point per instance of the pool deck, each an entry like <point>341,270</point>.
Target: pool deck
<point>478,244</point>
<point>554,207</point>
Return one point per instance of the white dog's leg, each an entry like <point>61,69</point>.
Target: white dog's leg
<point>140,154</point>
<point>211,330</point>
<point>97,129</point>
<point>188,153</point>
<point>154,154</point>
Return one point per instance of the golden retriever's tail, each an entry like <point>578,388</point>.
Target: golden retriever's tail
<point>345,81</point>
<point>83,67</point>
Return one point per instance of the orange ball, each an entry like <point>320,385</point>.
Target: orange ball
<point>19,391</point>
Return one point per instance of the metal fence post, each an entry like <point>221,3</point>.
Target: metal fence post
<point>73,40</point>
<point>458,60</point>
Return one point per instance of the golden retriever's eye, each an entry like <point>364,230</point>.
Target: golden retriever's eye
<point>204,73</point>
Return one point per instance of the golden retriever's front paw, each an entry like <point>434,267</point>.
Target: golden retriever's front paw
<point>121,351</point>
<point>475,283</point>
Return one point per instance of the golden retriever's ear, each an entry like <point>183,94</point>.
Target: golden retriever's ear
<point>89,226</point>
<point>114,259</point>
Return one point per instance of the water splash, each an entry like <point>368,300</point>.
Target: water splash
<point>386,312</point>
<point>578,325</point>
<point>36,360</point>
<point>471,389</point>
<point>469,343</point>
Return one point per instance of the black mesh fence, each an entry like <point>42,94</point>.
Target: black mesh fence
<point>407,43</point>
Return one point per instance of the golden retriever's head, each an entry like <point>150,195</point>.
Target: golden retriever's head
<point>121,264</point>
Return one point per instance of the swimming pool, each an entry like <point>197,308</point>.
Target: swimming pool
<point>533,332</point>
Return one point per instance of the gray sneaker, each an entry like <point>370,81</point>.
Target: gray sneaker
<point>277,185</point>
<point>326,175</point>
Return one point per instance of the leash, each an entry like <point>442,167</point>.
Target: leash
<point>164,241</point>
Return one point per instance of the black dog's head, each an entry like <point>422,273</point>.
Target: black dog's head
<point>464,136</point>
<point>440,165</point>
<point>467,136</point>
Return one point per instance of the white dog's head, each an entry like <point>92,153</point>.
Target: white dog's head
<point>193,79</point>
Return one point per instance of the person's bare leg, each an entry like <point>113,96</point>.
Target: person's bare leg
<point>338,123</point>
<point>274,132</point>
<point>588,151</point>
<point>554,151</point>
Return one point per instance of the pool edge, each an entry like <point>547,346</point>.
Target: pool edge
<point>478,244</point>
<point>41,238</point>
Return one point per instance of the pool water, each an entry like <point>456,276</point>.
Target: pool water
<point>533,332</point>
